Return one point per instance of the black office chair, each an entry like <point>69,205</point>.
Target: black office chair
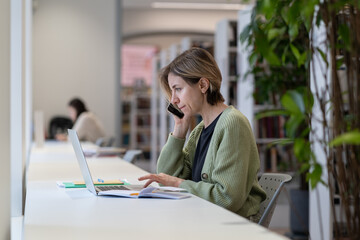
<point>59,124</point>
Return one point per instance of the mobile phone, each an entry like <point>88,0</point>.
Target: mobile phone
<point>175,110</point>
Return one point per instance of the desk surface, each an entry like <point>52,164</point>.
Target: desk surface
<point>57,213</point>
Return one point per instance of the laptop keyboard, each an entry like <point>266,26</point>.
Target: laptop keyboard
<point>107,188</point>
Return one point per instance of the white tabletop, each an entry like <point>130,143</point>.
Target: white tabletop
<point>57,213</point>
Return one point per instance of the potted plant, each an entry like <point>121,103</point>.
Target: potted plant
<point>282,35</point>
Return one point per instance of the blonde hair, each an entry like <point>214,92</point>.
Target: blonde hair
<point>192,65</point>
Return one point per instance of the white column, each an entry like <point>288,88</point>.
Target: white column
<point>5,27</point>
<point>320,219</point>
<point>172,55</point>
<point>118,102</point>
<point>154,114</point>
<point>27,81</point>
<point>245,84</point>
<point>222,55</point>
<point>162,105</point>
<point>16,110</point>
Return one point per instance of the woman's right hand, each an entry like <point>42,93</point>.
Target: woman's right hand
<point>181,126</point>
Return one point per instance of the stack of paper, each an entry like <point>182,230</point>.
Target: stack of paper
<point>81,184</point>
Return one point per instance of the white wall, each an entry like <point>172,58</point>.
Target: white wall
<point>74,54</point>
<point>152,20</point>
<point>5,119</point>
<point>17,130</point>
<point>139,21</point>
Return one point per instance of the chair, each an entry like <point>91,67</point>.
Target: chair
<point>131,155</point>
<point>59,124</point>
<point>105,142</point>
<point>272,183</point>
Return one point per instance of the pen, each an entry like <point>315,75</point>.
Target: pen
<point>100,180</point>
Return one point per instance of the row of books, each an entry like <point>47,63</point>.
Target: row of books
<point>271,127</point>
<point>276,159</point>
<point>143,120</point>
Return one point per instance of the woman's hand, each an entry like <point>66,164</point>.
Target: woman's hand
<point>161,178</point>
<point>181,126</point>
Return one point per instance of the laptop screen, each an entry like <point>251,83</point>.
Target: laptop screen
<point>82,160</point>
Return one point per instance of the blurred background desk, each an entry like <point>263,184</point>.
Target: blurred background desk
<point>58,213</point>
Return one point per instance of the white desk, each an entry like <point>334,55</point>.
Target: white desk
<point>55,213</point>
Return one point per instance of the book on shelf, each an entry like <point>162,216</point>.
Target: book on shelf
<point>271,127</point>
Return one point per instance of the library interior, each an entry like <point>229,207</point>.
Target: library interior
<point>291,67</point>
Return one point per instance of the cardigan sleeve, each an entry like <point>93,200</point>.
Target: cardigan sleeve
<point>232,169</point>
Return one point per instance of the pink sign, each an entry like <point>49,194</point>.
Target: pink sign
<point>137,65</point>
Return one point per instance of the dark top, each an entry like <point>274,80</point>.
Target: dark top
<point>201,150</point>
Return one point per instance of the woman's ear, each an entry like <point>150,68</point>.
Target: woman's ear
<point>204,84</point>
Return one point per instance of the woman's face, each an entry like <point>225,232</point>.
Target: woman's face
<point>188,98</point>
<point>72,113</point>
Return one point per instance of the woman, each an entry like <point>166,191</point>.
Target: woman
<point>220,160</point>
<point>86,124</point>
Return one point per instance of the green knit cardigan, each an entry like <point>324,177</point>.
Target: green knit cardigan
<point>229,174</point>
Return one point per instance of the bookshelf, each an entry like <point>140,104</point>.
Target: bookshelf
<point>140,120</point>
<point>126,111</point>
<point>226,56</point>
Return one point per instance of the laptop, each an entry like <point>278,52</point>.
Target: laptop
<point>85,171</point>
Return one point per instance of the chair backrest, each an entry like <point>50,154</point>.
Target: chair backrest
<point>272,183</point>
<point>131,155</point>
<point>59,124</point>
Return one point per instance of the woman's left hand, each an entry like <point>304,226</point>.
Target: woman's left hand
<point>161,178</point>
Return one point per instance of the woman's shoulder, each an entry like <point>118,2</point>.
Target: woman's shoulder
<point>87,116</point>
<point>233,122</point>
<point>231,114</point>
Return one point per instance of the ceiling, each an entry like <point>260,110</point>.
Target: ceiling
<point>147,3</point>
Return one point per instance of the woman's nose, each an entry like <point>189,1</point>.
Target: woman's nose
<point>174,99</point>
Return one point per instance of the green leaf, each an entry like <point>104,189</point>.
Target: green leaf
<point>323,56</point>
<point>253,59</point>
<point>308,98</point>
<point>285,14</point>
<point>293,31</point>
<point>295,51</point>
<point>283,141</point>
<point>283,57</point>
<point>304,167</point>
<point>299,145</point>
<point>272,58</point>
<point>275,32</point>
<point>264,48</point>
<point>293,102</point>
<point>271,113</point>
<point>344,35</point>
<point>350,138</point>
<point>292,125</point>
<point>245,34</point>
<point>302,59</point>
<point>339,62</point>
<point>315,175</point>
